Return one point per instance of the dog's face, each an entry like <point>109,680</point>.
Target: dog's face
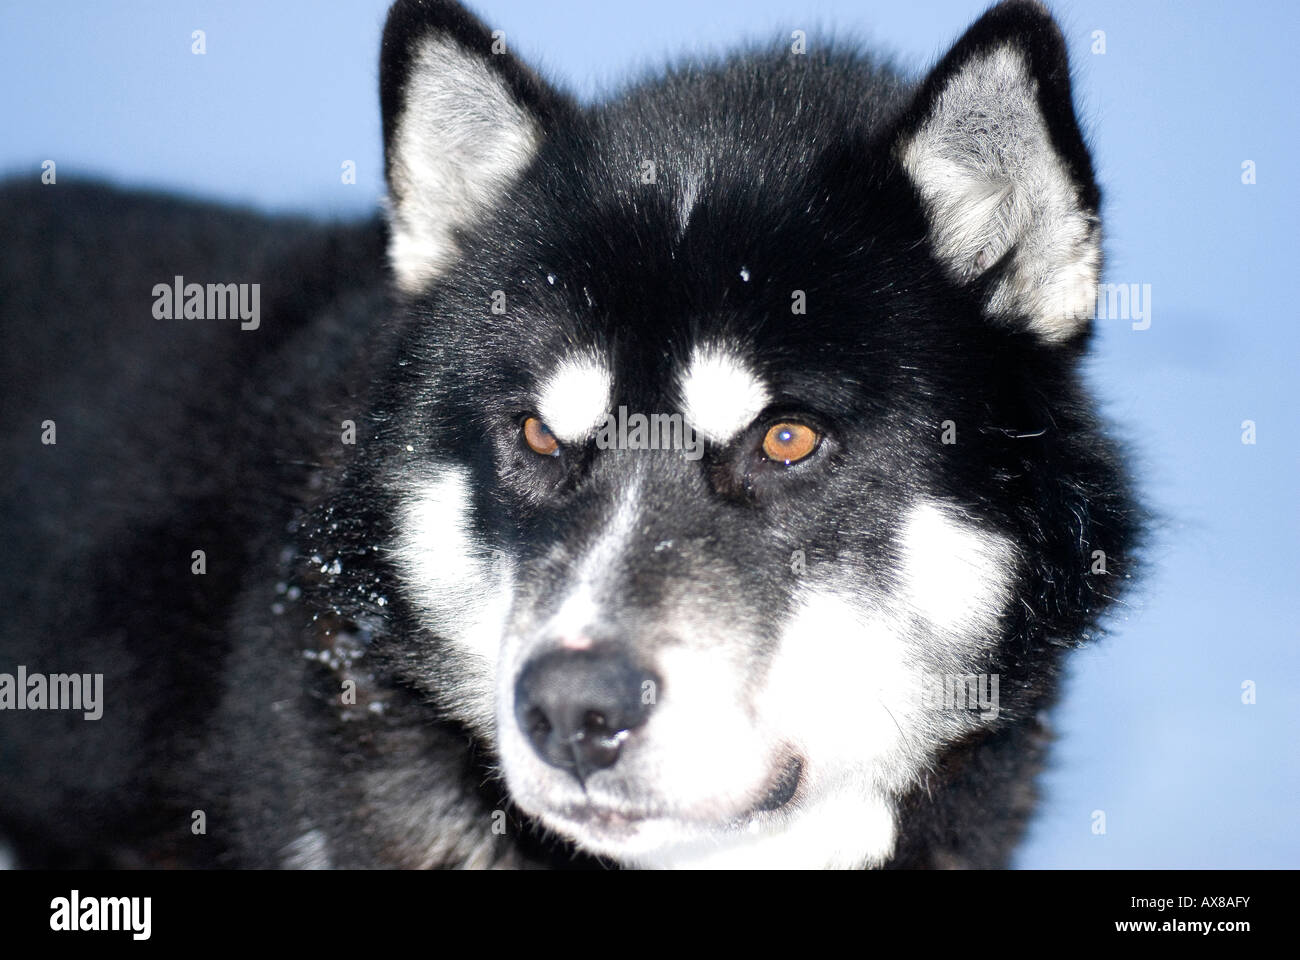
<point>721,460</point>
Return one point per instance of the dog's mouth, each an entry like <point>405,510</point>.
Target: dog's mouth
<point>781,790</point>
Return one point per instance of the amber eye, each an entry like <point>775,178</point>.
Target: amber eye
<point>789,442</point>
<point>540,439</point>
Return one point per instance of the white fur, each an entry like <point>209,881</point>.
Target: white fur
<point>460,141</point>
<point>579,611</point>
<point>990,177</point>
<point>685,764</point>
<point>310,851</point>
<point>464,591</point>
<point>720,393</point>
<point>690,193</point>
<point>839,688</point>
<point>844,829</point>
<point>953,575</point>
<point>575,397</point>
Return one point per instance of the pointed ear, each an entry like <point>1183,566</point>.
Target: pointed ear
<point>462,120</point>
<point>993,148</point>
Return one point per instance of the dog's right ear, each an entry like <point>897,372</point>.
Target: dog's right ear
<point>462,119</point>
<point>994,150</point>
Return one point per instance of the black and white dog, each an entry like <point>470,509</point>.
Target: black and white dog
<point>702,477</point>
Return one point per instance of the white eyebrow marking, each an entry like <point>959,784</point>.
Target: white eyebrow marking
<point>575,398</point>
<point>720,394</point>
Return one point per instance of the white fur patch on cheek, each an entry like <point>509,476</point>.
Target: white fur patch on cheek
<point>841,688</point>
<point>720,394</point>
<point>463,587</point>
<point>701,693</point>
<point>953,575</point>
<point>840,691</point>
<point>575,397</point>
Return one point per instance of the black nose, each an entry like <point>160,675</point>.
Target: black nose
<point>576,707</point>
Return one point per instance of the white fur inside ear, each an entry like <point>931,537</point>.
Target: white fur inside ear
<point>991,181</point>
<point>460,142</point>
<point>720,394</point>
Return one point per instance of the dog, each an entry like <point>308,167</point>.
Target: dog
<point>702,477</point>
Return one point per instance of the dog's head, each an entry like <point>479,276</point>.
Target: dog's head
<point>732,416</point>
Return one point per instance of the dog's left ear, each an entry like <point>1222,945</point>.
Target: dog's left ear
<point>993,148</point>
<point>463,118</point>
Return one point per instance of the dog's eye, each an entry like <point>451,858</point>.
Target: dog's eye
<point>789,442</point>
<point>540,439</point>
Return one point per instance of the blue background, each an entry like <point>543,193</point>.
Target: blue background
<point>1153,730</point>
